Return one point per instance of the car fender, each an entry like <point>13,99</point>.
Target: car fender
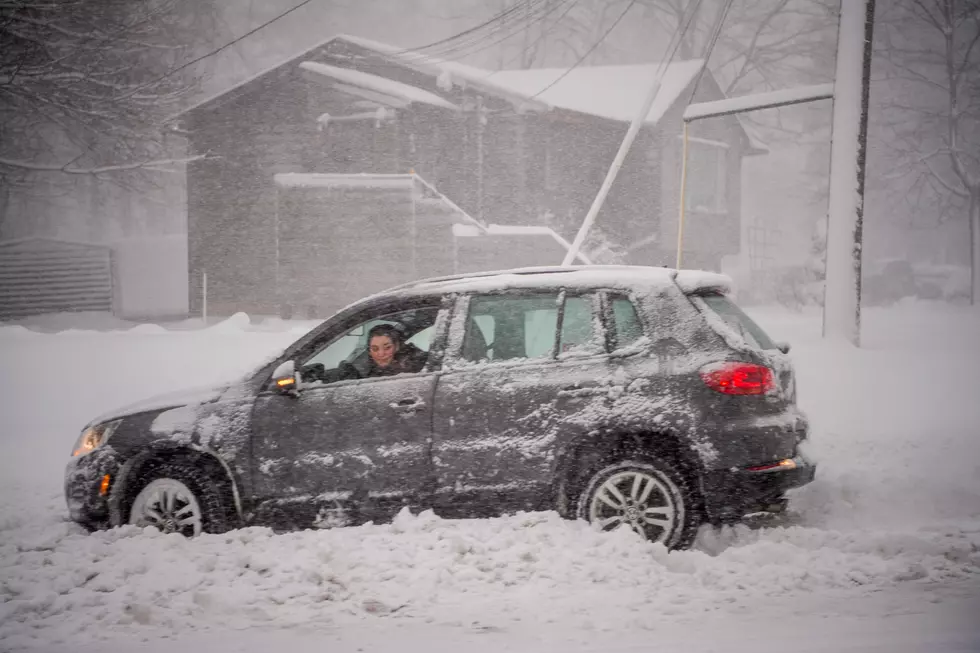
<point>586,449</point>
<point>156,449</point>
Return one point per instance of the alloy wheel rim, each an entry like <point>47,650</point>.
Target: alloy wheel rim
<point>637,499</point>
<point>168,505</point>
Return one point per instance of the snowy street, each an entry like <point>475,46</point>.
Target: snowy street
<point>882,552</point>
<point>331,232</point>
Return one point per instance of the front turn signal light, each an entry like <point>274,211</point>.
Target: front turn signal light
<point>104,485</point>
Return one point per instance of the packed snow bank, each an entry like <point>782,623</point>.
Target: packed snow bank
<point>63,584</point>
<point>896,506</point>
<point>895,423</point>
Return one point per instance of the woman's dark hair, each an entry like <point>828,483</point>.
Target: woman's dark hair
<point>389,331</point>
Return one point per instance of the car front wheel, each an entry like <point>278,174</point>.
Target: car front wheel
<point>177,499</point>
<point>649,496</point>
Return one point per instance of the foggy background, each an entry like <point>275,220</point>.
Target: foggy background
<point>86,90</point>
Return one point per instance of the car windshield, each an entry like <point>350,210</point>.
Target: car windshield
<point>737,320</point>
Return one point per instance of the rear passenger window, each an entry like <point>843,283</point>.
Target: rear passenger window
<point>509,327</point>
<point>626,326</point>
<point>502,327</point>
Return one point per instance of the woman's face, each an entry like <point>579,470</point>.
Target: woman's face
<point>382,350</point>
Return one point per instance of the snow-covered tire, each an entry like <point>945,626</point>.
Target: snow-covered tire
<point>182,499</point>
<point>651,496</point>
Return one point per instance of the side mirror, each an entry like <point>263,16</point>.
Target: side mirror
<point>783,346</point>
<point>284,378</point>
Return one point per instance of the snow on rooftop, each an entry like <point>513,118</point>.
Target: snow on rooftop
<point>324,180</point>
<point>448,72</point>
<point>511,230</point>
<point>756,101</point>
<point>377,84</point>
<point>466,231</point>
<point>614,92</point>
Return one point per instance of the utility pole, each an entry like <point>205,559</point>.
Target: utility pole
<point>848,154</point>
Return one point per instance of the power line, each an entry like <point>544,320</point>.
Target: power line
<point>589,51</point>
<point>716,32</point>
<point>441,42</point>
<point>473,34</point>
<point>530,22</point>
<point>519,18</point>
<point>215,51</point>
<point>677,38</point>
<point>541,37</point>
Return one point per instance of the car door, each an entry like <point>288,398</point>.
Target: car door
<point>345,450</point>
<point>521,366</point>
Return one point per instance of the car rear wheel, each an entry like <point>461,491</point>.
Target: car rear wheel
<point>176,499</point>
<point>649,496</point>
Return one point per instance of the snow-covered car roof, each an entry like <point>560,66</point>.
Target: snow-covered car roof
<point>590,276</point>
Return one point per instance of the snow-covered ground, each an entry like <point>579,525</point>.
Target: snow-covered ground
<point>883,555</point>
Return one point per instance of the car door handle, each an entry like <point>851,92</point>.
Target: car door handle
<point>408,405</point>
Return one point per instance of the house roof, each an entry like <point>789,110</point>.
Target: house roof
<point>614,92</point>
<point>382,85</point>
<point>611,92</point>
<point>439,68</point>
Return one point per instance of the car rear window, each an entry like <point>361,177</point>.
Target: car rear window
<point>737,320</point>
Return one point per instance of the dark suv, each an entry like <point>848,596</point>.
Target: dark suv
<point>621,395</point>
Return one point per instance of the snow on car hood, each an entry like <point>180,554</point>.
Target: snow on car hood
<point>197,395</point>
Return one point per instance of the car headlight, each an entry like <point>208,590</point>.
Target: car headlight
<point>94,437</point>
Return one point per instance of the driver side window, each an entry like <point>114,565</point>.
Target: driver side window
<point>387,345</point>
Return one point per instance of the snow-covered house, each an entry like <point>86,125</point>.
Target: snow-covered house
<point>519,149</point>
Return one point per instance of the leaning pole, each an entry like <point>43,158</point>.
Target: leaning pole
<point>848,154</point>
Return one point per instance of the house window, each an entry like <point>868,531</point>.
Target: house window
<point>707,176</point>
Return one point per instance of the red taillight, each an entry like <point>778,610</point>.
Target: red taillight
<point>734,378</point>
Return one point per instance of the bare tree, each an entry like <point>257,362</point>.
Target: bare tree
<point>929,93</point>
<point>84,83</point>
<point>762,44</point>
